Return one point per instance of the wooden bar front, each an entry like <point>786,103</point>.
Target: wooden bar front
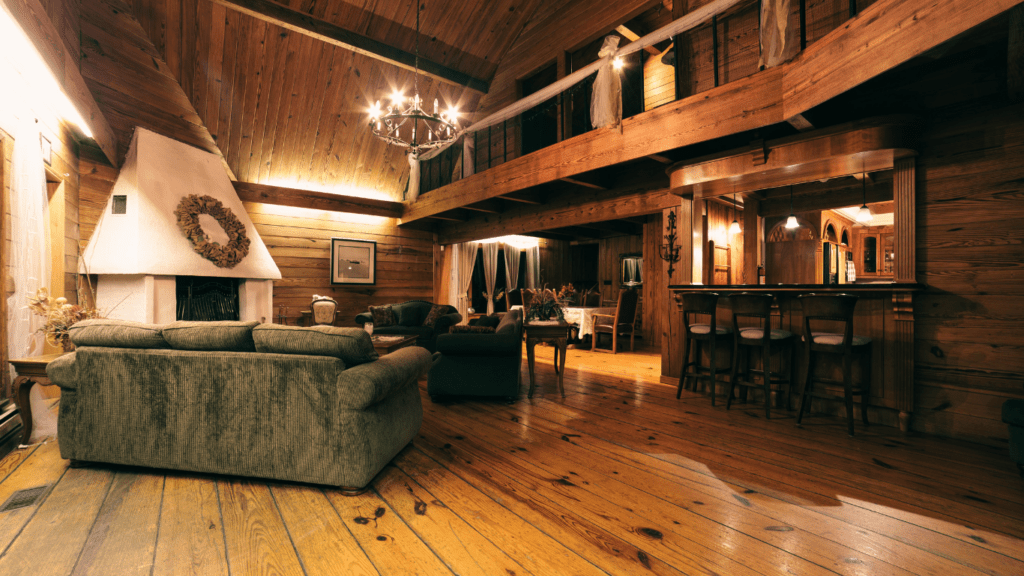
<point>884,313</point>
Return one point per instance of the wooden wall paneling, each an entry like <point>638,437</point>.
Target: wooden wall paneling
<point>751,254</point>
<point>905,218</point>
<point>1015,56</point>
<point>6,241</point>
<point>655,293</point>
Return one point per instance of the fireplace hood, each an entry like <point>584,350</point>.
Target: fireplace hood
<point>138,233</point>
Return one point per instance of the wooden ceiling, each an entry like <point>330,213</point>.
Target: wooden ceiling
<point>290,110</point>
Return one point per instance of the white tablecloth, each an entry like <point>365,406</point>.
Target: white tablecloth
<point>582,317</point>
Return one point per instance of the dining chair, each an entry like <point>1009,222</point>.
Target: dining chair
<point>324,309</point>
<point>623,322</point>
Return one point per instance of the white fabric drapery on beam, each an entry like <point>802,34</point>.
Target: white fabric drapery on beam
<point>490,252</point>
<point>533,267</point>
<point>511,266</point>
<point>779,40</point>
<point>687,22</point>
<point>606,99</point>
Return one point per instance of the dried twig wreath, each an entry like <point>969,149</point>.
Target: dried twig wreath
<point>188,212</point>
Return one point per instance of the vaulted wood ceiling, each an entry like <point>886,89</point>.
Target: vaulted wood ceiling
<point>290,110</point>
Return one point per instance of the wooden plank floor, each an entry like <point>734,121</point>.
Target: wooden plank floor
<point>619,477</point>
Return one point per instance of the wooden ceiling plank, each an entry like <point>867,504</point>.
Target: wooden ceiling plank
<point>522,198</point>
<point>492,206</point>
<point>40,30</point>
<point>584,183</point>
<point>617,226</point>
<point>327,32</point>
<point>281,196</point>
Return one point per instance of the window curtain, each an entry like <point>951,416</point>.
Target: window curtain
<point>490,252</point>
<point>533,267</point>
<point>465,258</point>
<point>29,258</point>
<point>511,267</point>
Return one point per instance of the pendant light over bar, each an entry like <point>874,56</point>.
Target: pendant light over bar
<point>864,214</point>
<point>791,221</point>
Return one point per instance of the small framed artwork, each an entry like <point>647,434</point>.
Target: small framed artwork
<point>353,261</point>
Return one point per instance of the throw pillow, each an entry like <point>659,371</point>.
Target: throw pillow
<point>436,311</point>
<point>472,330</point>
<point>382,316</point>
<point>352,345</point>
<point>224,335</point>
<point>117,334</point>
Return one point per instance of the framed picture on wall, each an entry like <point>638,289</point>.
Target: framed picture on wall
<point>353,261</point>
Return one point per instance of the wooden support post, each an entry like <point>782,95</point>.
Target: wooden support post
<point>803,25</point>
<point>751,206</point>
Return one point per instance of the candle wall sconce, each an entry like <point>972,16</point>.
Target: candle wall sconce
<point>669,249</point>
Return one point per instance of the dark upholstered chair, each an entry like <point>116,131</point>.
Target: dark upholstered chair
<point>480,364</point>
<point>513,298</point>
<point>747,307</point>
<point>409,317</point>
<point>835,308</point>
<point>592,298</point>
<point>693,305</point>
<point>623,322</point>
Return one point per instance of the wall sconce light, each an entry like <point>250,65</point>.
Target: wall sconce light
<point>669,250</point>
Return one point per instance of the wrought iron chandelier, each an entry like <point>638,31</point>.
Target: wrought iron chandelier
<point>425,131</point>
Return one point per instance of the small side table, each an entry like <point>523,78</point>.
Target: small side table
<point>386,344</point>
<point>29,371</point>
<point>555,334</point>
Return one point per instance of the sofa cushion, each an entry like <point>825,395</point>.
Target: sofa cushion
<point>411,313</point>
<point>352,345</point>
<point>117,334</point>
<point>472,330</point>
<point>382,316</point>
<point>435,313</point>
<point>508,324</point>
<point>226,335</point>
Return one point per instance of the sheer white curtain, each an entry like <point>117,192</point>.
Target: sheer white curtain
<point>465,258</point>
<point>511,266</point>
<point>533,267</point>
<point>29,261</point>
<point>490,252</point>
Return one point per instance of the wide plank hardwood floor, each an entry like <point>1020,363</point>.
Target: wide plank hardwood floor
<point>619,477</point>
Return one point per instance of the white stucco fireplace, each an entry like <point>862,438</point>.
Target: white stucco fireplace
<point>137,250</point>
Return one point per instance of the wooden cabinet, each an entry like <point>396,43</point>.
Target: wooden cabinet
<point>874,250</point>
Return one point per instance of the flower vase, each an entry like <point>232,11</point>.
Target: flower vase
<point>67,344</point>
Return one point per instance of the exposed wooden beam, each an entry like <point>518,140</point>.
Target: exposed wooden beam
<point>567,209</point>
<point>800,123</point>
<point>332,34</point>
<point>1015,55</point>
<point>457,215</point>
<point>522,198</point>
<point>550,236</point>
<point>281,196</point>
<point>584,183</point>
<point>761,99</point>
<point>633,37</point>
<point>660,158</point>
<point>33,19</point>
<point>492,206</point>
<point>579,231</point>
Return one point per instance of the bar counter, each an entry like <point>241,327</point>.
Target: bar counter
<point>884,313</point>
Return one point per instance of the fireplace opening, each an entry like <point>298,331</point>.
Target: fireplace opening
<point>207,298</point>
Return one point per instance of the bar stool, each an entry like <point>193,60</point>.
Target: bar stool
<point>836,308</point>
<point>704,304</point>
<point>758,306</point>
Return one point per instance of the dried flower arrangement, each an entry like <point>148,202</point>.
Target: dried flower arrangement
<point>567,293</point>
<point>60,316</point>
<point>545,306</point>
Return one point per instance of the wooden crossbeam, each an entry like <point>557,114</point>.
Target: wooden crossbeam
<point>522,198</point>
<point>332,34</point>
<point>492,206</point>
<point>584,183</point>
<point>617,226</point>
<point>633,36</point>
<point>281,196</point>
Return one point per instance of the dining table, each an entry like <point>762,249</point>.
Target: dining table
<point>581,316</point>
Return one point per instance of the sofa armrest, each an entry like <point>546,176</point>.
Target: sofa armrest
<point>364,318</point>
<point>63,372</point>
<point>480,344</point>
<point>367,384</point>
<point>444,323</point>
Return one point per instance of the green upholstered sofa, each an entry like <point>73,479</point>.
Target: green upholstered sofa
<point>410,316</point>
<point>480,364</point>
<point>312,405</point>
